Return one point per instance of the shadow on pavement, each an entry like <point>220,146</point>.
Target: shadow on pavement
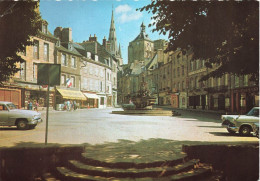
<point>229,134</point>
<point>30,160</point>
<point>8,128</point>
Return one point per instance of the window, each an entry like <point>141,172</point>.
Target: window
<point>22,71</point>
<point>46,52</point>
<point>34,71</point>
<point>226,79</point>
<point>203,63</point>
<point>197,64</point>
<point>191,83</point>
<point>245,80</point>
<point>178,71</point>
<point>63,80</point>
<point>36,49</point>
<point>219,81</point>
<point>73,62</point>
<point>102,101</point>
<point>101,86</point>
<point>183,85</point>
<point>196,82</point>
<point>44,29</point>
<point>3,108</point>
<point>63,60</point>
<point>182,69</point>
<point>72,79</point>
<point>191,65</point>
<point>236,81</point>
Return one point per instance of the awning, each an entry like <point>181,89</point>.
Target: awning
<point>91,96</point>
<point>71,94</point>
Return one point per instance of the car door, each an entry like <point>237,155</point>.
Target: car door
<point>4,115</point>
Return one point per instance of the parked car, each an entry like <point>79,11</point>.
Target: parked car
<point>256,129</point>
<point>22,119</point>
<point>241,123</point>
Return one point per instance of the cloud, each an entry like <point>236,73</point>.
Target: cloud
<point>126,13</point>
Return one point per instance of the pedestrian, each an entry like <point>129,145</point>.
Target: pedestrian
<point>36,106</point>
<point>30,105</point>
<point>75,105</point>
<point>68,105</point>
<point>71,105</point>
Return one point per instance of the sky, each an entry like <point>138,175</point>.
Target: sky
<point>89,17</point>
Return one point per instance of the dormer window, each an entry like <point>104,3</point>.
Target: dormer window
<point>45,27</point>
<point>58,43</point>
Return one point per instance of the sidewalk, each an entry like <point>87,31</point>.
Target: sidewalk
<point>193,110</point>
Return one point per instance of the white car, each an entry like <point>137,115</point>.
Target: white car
<point>22,119</point>
<point>241,123</point>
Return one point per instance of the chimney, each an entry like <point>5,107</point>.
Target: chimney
<point>66,35</point>
<point>93,38</point>
<point>105,42</point>
<point>57,32</point>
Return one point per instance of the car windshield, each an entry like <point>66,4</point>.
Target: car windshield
<point>11,106</point>
<point>253,112</point>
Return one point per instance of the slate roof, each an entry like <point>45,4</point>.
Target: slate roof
<point>64,48</point>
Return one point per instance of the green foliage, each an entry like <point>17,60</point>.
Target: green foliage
<point>18,21</point>
<point>224,33</point>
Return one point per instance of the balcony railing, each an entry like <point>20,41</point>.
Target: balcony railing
<point>222,89</point>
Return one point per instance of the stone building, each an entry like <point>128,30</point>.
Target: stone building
<point>141,48</point>
<point>42,51</point>
<point>70,60</point>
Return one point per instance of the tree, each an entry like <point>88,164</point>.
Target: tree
<point>18,21</point>
<point>223,33</point>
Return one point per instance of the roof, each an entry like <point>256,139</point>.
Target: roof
<point>142,35</point>
<point>73,51</point>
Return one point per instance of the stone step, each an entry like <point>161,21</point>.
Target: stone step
<point>133,160</point>
<point>192,175</point>
<point>165,170</point>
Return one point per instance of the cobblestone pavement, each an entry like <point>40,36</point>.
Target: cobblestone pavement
<point>97,126</point>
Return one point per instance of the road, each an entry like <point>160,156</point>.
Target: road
<point>97,126</point>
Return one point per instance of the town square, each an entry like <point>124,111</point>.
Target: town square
<point>129,90</point>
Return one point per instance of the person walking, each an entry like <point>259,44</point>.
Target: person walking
<point>36,106</point>
<point>75,105</point>
<point>68,105</point>
<point>30,105</point>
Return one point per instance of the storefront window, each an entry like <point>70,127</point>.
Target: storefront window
<point>102,101</point>
<point>243,100</point>
<point>227,102</point>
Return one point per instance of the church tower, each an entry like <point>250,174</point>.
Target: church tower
<point>113,41</point>
<point>112,36</point>
<point>141,48</point>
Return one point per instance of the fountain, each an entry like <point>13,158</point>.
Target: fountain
<point>142,104</point>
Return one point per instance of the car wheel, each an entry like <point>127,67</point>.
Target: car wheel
<point>231,131</point>
<point>245,130</point>
<point>22,125</point>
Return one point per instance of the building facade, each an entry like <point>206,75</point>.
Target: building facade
<point>42,51</point>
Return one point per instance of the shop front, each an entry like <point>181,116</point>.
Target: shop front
<point>244,99</point>
<point>183,100</point>
<point>11,95</point>
<point>65,95</point>
<point>175,100</point>
<point>92,100</point>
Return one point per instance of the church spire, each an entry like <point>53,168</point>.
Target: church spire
<point>119,51</point>
<point>112,36</point>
